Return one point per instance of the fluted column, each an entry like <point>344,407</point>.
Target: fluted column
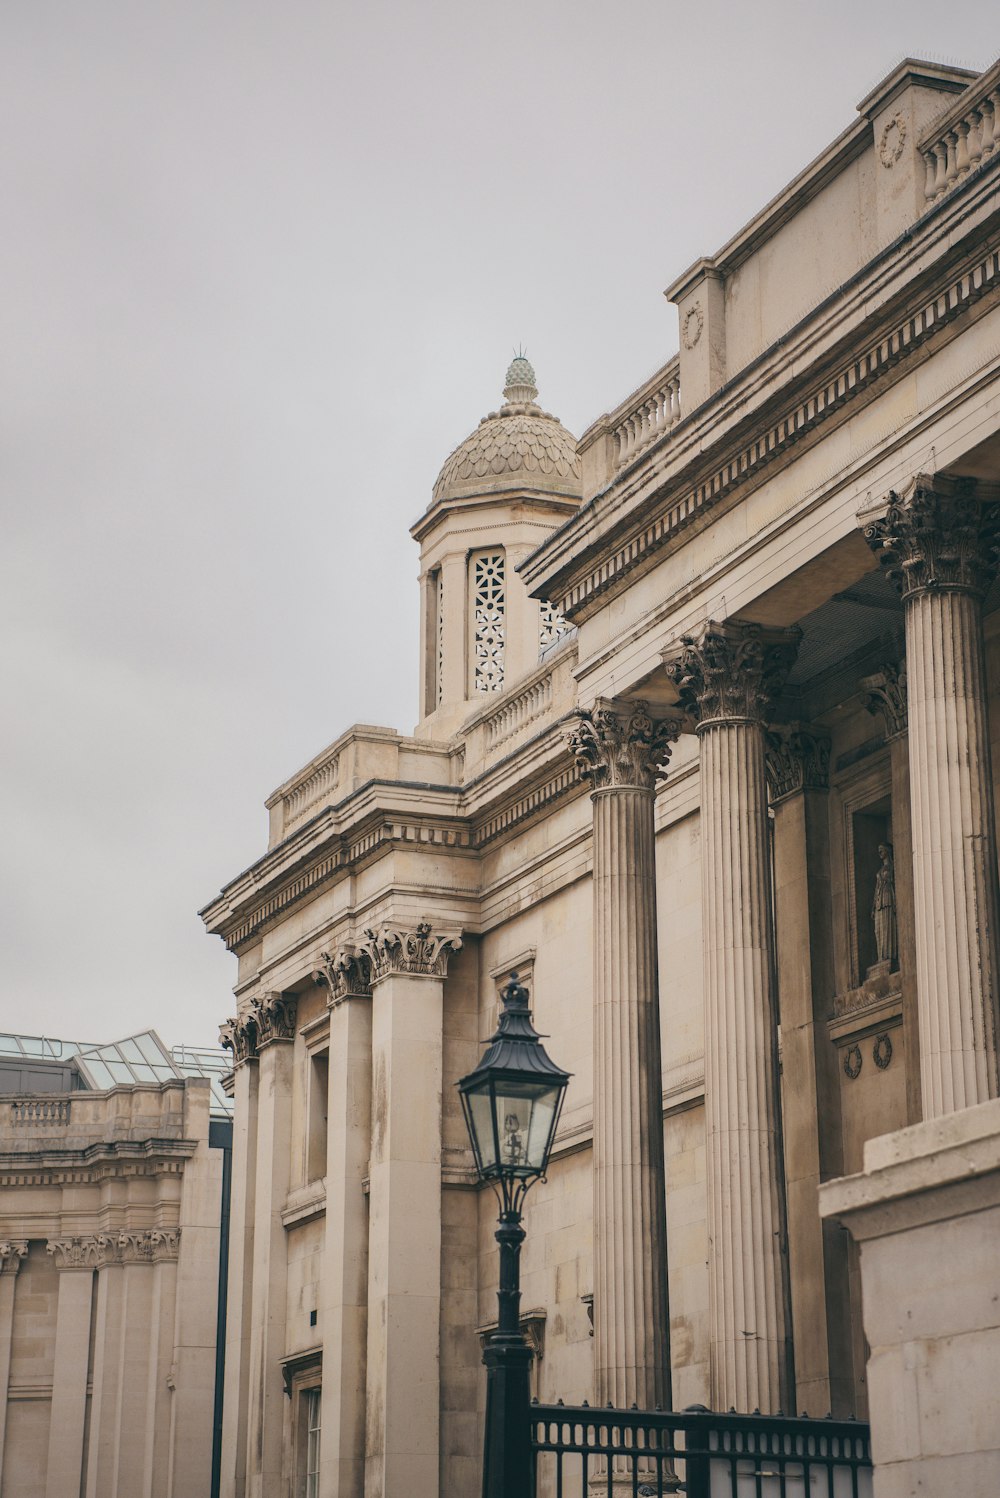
<point>346,975</point>
<point>938,543</point>
<point>623,750</point>
<point>727,676</point>
<point>403,1403</point>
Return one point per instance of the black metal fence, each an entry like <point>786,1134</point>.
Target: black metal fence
<point>584,1452</point>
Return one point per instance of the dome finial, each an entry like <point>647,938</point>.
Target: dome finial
<point>519,386</point>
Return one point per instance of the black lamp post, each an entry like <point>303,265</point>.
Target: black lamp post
<point>512,1103</point>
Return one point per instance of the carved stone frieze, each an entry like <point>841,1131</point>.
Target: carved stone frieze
<point>620,744</point>
<point>12,1252</point>
<point>391,950</point>
<point>345,974</point>
<point>886,694</point>
<point>274,1016</point>
<point>796,759</point>
<point>731,671</point>
<point>935,535</point>
<point>239,1035</point>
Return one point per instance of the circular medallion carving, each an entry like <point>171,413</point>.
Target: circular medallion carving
<point>882,1051</point>
<point>892,140</point>
<point>694,321</point>
<point>852,1061</point>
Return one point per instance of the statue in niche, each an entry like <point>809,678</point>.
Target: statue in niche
<point>884,907</point>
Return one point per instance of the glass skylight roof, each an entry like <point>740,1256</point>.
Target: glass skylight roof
<point>137,1058</point>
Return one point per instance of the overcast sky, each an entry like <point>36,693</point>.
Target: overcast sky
<point>263,265</point>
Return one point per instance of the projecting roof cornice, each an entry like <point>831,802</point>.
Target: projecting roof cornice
<point>905,303</point>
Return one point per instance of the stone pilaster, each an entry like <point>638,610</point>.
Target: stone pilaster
<point>886,698</point>
<point>12,1254</point>
<point>239,1035</point>
<point>727,677</point>
<point>274,1017</point>
<point>402,1405</point>
<point>938,544</point>
<point>64,1467</point>
<point>623,750</point>
<point>346,975</point>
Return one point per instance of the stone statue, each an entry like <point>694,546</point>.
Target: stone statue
<point>884,906</point>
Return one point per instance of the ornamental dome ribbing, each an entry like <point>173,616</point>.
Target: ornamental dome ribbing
<point>519,446</point>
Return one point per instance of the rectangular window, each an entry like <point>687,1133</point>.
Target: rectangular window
<point>314,1402</point>
<point>319,1081</point>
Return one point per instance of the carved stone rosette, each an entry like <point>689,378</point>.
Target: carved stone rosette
<point>796,759</point>
<point>935,535</point>
<point>274,1016</point>
<point>886,694</point>
<point>392,950</point>
<point>732,671</point>
<point>239,1035</point>
<point>345,974</point>
<point>620,744</point>
<point>12,1252</point>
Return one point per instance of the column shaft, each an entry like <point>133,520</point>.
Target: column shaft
<point>270,1272</point>
<point>954,851</point>
<point>404,1250</point>
<point>236,1392</point>
<point>64,1467</point>
<point>344,1292</point>
<point>7,1278</point>
<point>749,1336</point>
<point>107,1370</point>
<point>631,1316</point>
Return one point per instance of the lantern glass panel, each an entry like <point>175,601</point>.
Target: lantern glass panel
<point>480,1108</point>
<point>524,1122</point>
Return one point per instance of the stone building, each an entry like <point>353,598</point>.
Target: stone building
<point>113,1172</point>
<point>708,702</point>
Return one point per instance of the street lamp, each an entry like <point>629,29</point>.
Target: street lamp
<point>512,1103</point>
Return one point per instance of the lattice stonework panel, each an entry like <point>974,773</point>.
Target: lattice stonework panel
<point>552,626</point>
<point>489,607</point>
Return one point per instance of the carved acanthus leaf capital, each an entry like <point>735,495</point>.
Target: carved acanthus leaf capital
<point>392,950</point>
<point>73,1253</point>
<point>274,1017</point>
<point>239,1035</point>
<point>886,694</point>
<point>935,534</point>
<point>731,671</point>
<point>345,974</point>
<point>12,1252</point>
<point>796,759</point>
<point>620,744</point>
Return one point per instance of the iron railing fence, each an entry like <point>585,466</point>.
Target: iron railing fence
<point>585,1452</point>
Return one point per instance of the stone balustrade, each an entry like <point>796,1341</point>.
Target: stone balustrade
<point>518,711</point>
<point>965,135</point>
<point>31,1111</point>
<point>653,410</point>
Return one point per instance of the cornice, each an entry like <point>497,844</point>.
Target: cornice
<point>646,508</point>
<point>97,1162</point>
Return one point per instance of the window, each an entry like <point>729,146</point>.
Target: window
<point>489,609</point>
<point>319,1076</point>
<point>552,626</point>
<point>313,1415</point>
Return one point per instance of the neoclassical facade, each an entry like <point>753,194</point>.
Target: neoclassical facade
<point>708,708</point>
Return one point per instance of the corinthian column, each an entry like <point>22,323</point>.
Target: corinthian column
<point>623,751</point>
<point>938,545</point>
<point>727,677</point>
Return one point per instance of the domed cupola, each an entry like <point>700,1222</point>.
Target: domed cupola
<point>499,494</point>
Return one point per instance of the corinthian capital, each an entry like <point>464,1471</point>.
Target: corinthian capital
<point>73,1253</point>
<point>886,694</point>
<point>620,744</point>
<point>274,1017</point>
<point>391,950</point>
<point>731,672</point>
<point>796,759</point>
<point>12,1251</point>
<point>345,974</point>
<point>935,534</point>
<point>239,1035</point>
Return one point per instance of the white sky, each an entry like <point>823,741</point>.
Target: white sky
<point>262,266</point>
